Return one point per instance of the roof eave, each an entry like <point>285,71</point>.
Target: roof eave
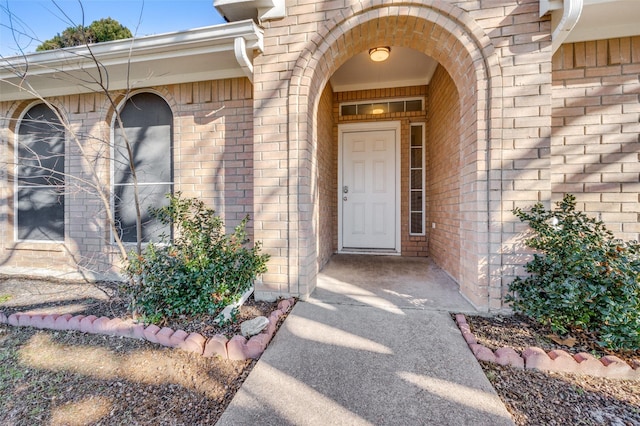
<point>171,58</point>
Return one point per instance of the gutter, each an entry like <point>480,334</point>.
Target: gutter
<point>571,11</point>
<point>240,51</point>
<point>208,53</point>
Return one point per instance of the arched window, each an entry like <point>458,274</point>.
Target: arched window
<point>147,123</point>
<point>39,201</point>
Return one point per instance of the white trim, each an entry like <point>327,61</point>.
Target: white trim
<point>423,169</point>
<point>382,101</point>
<point>16,177</point>
<point>240,51</point>
<point>132,61</point>
<point>264,10</point>
<point>570,14</point>
<point>362,127</point>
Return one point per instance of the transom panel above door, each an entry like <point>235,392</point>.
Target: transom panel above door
<point>369,189</point>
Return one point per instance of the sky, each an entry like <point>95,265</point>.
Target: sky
<point>34,21</point>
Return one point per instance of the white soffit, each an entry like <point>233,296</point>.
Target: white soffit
<point>180,57</point>
<point>262,10</point>
<point>405,67</point>
<point>602,19</point>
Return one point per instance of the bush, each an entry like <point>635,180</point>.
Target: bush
<point>581,277</point>
<point>201,270</point>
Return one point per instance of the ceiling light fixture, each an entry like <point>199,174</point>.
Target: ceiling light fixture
<point>379,54</point>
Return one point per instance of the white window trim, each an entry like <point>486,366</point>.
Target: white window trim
<point>381,101</point>
<point>422,169</point>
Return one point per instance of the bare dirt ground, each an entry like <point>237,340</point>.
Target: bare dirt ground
<point>72,378</point>
<point>544,398</point>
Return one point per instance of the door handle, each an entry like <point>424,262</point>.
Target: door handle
<point>345,189</point>
<point>344,198</point>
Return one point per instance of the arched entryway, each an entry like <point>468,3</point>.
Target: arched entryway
<point>466,68</point>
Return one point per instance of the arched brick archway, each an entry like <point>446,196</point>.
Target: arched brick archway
<point>441,31</point>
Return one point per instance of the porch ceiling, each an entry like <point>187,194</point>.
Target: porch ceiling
<point>405,67</point>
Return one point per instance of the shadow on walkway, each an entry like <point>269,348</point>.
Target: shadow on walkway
<point>374,345</point>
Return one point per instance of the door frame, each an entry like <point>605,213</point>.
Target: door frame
<point>364,127</point>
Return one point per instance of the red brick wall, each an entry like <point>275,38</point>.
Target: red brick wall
<point>596,126</point>
<point>443,183</point>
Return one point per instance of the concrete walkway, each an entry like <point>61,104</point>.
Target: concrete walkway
<point>375,345</point>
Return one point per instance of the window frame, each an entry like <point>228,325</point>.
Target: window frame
<point>112,168</point>
<point>16,178</point>
<point>422,169</point>
<point>387,101</point>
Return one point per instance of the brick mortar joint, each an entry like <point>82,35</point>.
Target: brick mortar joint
<point>472,343</point>
<point>85,324</point>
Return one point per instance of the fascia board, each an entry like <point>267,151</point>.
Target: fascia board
<point>163,47</point>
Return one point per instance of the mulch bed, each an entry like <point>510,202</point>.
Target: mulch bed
<point>73,378</point>
<point>68,377</point>
<point>545,398</point>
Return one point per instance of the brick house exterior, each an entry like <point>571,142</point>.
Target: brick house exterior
<point>507,122</point>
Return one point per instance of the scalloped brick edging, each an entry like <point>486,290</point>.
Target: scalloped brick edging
<point>556,360</point>
<point>238,348</point>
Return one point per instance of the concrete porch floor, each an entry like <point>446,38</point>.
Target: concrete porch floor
<point>374,345</point>
<point>388,282</point>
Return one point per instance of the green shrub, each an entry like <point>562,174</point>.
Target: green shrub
<point>581,277</point>
<point>201,270</point>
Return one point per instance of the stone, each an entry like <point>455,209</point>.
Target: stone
<point>216,346</point>
<point>256,346</point>
<point>74,322</point>
<point>616,368</point>
<point>271,328</point>
<point>563,361</point>
<point>37,321</point>
<point>536,358</point>
<point>24,320</point>
<point>482,353</point>
<point>589,365</point>
<point>178,338</point>
<point>254,326</point>
<point>164,336</point>
<point>150,333</point>
<point>284,305</point>
<point>138,332</point>
<point>49,321</point>
<point>112,326</point>
<point>62,322</point>
<point>237,348</point>
<point>3,318</point>
<point>86,324</point>
<point>194,343</point>
<point>100,325</point>
<point>14,319</point>
<point>508,356</point>
<point>469,337</point>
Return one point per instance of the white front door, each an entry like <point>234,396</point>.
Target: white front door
<point>368,191</point>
